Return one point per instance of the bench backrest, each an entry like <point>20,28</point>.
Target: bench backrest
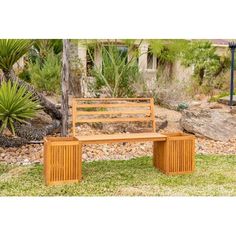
<point>93,110</point>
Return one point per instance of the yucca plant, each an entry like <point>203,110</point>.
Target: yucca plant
<point>118,73</point>
<point>16,104</point>
<point>11,50</point>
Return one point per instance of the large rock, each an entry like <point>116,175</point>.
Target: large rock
<point>226,99</point>
<point>216,125</point>
<point>161,122</point>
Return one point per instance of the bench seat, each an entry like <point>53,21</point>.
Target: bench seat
<point>126,137</point>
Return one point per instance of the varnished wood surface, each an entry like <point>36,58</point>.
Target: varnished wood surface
<point>110,138</point>
<point>62,160</point>
<point>106,105</point>
<point>176,155</point>
<point>110,99</point>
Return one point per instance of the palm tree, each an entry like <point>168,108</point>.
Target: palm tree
<point>11,50</point>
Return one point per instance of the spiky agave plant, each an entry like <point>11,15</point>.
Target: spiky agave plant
<point>16,104</point>
<point>11,50</point>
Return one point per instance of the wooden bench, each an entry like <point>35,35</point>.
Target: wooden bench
<point>172,153</point>
<point>114,110</point>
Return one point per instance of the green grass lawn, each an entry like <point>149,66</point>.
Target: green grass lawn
<point>214,176</point>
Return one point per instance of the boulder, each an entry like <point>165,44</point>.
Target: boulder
<point>214,124</point>
<point>225,100</point>
<point>161,122</point>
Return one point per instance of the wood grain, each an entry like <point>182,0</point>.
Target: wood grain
<point>112,138</point>
<point>143,111</point>
<point>62,160</point>
<point>176,155</point>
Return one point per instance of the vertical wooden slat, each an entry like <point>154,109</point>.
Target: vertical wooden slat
<point>166,156</point>
<point>152,108</point>
<point>193,153</point>
<point>53,164</point>
<point>178,155</point>
<point>74,162</point>
<point>184,157</point>
<point>80,160</point>
<point>69,162</point>
<point>47,157</point>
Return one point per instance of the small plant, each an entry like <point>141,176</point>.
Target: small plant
<point>182,106</point>
<point>16,104</point>
<point>46,75</point>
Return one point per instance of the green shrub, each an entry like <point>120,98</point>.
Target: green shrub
<point>118,73</point>
<point>16,104</point>
<point>46,76</point>
<point>209,67</point>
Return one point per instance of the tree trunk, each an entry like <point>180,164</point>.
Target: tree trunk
<point>201,76</point>
<point>48,106</point>
<point>65,88</point>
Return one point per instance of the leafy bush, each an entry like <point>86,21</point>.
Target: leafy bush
<point>207,64</point>
<point>209,67</point>
<point>46,76</point>
<point>16,104</point>
<point>118,72</point>
<point>167,50</point>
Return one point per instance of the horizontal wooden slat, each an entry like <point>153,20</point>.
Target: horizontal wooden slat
<point>146,112</point>
<point>65,143</point>
<point>113,120</point>
<point>111,138</point>
<point>114,105</point>
<point>112,99</point>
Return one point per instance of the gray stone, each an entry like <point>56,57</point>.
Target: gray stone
<point>161,124</point>
<point>213,124</point>
<point>225,100</point>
